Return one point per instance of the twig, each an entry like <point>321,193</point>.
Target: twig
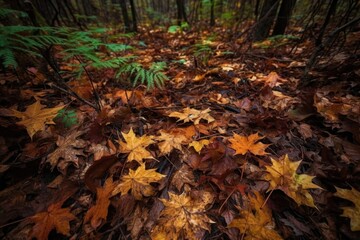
<point>74,94</point>
<point>312,59</point>
<point>97,97</point>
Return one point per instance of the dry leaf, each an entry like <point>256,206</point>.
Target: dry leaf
<point>193,115</point>
<point>198,145</point>
<point>135,146</point>
<point>97,214</point>
<point>69,148</point>
<point>256,222</point>
<point>139,182</point>
<point>282,175</point>
<point>55,217</point>
<point>183,215</point>
<point>351,212</point>
<point>35,117</point>
<point>242,144</point>
<point>170,141</point>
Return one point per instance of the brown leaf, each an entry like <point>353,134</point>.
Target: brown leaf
<point>97,214</point>
<point>69,148</point>
<point>54,218</point>
<point>36,116</point>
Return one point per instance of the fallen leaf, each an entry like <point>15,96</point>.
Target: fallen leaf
<point>193,115</point>
<point>97,214</point>
<point>35,117</point>
<point>54,218</point>
<point>198,145</point>
<point>351,212</point>
<point>256,221</point>
<point>135,146</point>
<point>69,148</point>
<point>170,141</point>
<point>282,175</point>
<point>244,144</point>
<point>139,182</point>
<point>183,215</point>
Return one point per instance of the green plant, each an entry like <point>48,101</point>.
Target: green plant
<point>67,117</point>
<point>202,52</point>
<point>151,76</point>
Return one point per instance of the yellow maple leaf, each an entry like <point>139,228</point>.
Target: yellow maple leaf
<point>97,214</point>
<point>193,115</point>
<point>256,222</point>
<point>183,215</point>
<point>198,145</point>
<point>169,141</point>
<point>135,146</point>
<point>36,116</point>
<point>139,182</point>
<point>282,175</point>
<point>351,212</point>
<point>244,144</point>
<point>55,217</point>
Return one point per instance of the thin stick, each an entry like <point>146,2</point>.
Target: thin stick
<point>267,198</point>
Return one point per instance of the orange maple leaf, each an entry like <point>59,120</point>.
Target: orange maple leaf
<point>55,217</point>
<point>169,141</point>
<point>135,146</point>
<point>243,144</point>
<point>139,182</point>
<point>282,175</point>
<point>35,117</point>
<point>256,222</point>
<point>98,213</point>
<point>198,145</point>
<point>183,214</point>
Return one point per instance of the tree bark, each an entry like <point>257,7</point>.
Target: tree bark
<point>283,17</point>
<point>133,13</point>
<point>267,16</point>
<point>125,15</point>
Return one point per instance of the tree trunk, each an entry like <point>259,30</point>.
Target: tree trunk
<point>125,15</point>
<point>212,16</point>
<point>267,16</point>
<point>181,12</point>
<point>133,14</point>
<point>283,17</point>
<point>331,11</point>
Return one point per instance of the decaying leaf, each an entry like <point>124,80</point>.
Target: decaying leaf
<point>36,116</point>
<point>351,212</point>
<point>69,148</point>
<point>139,182</point>
<point>198,145</point>
<point>97,214</point>
<point>244,144</point>
<point>256,222</point>
<point>183,215</point>
<point>193,115</point>
<point>54,218</point>
<point>169,141</point>
<point>282,175</point>
<point>135,146</point>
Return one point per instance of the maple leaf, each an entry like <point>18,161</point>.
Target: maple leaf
<point>55,217</point>
<point>170,141</point>
<point>351,212</point>
<point>35,117</point>
<point>193,115</point>
<point>68,150</point>
<point>183,215</point>
<point>135,146</point>
<point>273,79</point>
<point>282,175</point>
<point>139,182</point>
<point>243,144</point>
<point>198,145</point>
<point>256,222</point>
<point>98,213</point>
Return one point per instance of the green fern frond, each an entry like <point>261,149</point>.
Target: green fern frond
<point>8,58</point>
<point>114,47</point>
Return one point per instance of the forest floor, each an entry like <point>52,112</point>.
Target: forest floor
<point>236,145</point>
